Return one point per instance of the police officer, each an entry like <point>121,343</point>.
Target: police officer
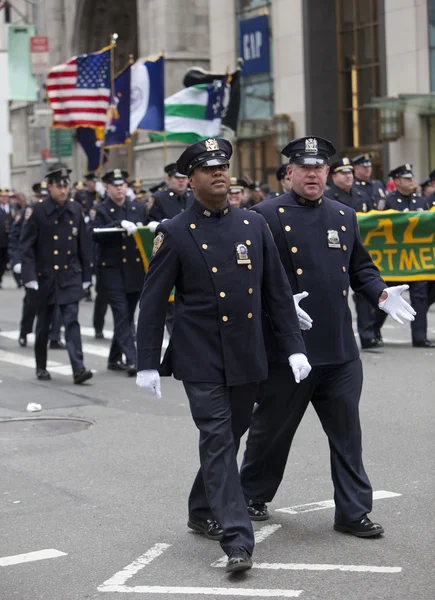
<point>120,271</point>
<point>168,203</point>
<point>322,254</point>
<point>89,196</point>
<point>222,260</point>
<point>374,188</point>
<point>6,219</point>
<point>343,190</point>
<point>56,269</point>
<point>235,193</point>
<point>426,190</point>
<point>284,179</point>
<point>405,199</point>
<point>430,201</point>
<point>255,195</point>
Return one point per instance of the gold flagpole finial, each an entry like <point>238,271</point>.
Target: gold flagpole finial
<point>113,39</point>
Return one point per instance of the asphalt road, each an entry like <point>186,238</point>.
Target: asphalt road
<point>104,507</point>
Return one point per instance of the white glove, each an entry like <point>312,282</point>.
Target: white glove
<point>86,219</point>
<point>152,226</point>
<point>86,284</point>
<point>129,227</point>
<point>32,285</point>
<point>396,306</point>
<point>305,321</point>
<point>300,366</point>
<point>17,269</point>
<point>149,381</point>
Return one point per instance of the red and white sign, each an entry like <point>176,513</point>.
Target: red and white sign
<point>39,54</point>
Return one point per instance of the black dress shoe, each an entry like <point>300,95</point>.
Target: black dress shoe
<point>82,376</point>
<point>116,365</point>
<point>131,370</point>
<point>423,344</point>
<point>22,340</point>
<point>211,529</point>
<point>257,511</point>
<point>238,560</point>
<point>99,335</point>
<point>362,528</point>
<point>373,343</point>
<point>57,345</point>
<point>43,375</point>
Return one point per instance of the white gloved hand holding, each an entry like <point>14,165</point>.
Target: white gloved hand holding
<point>17,269</point>
<point>86,284</point>
<point>32,285</point>
<point>305,321</point>
<point>129,227</point>
<point>395,306</point>
<point>86,219</point>
<point>149,381</point>
<point>152,226</point>
<point>300,366</point>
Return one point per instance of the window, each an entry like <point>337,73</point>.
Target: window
<point>359,76</point>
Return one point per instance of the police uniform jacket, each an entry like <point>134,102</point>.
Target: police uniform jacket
<point>217,335</point>
<point>430,201</point>
<point>397,201</point>
<point>86,199</point>
<point>14,238</point>
<point>167,204</point>
<point>53,250</point>
<point>322,253</point>
<point>119,263</point>
<point>375,190</point>
<point>356,199</point>
<point>6,220</point>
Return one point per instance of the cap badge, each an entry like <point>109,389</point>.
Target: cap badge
<point>346,161</point>
<point>408,167</point>
<point>333,239</point>
<point>242,254</point>
<point>117,173</point>
<point>311,145</point>
<point>211,144</point>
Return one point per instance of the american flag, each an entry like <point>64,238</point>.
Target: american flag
<point>79,90</point>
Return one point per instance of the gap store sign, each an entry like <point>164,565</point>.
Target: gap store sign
<point>254,45</point>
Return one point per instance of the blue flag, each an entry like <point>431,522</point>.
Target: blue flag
<point>91,144</point>
<point>147,106</point>
<point>118,129</point>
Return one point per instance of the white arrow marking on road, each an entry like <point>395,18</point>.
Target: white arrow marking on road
<point>259,536</point>
<point>121,577</point>
<point>303,508</point>
<point>204,591</point>
<point>320,567</point>
<point>30,557</point>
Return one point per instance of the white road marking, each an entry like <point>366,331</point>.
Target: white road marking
<point>303,508</point>
<point>326,567</point>
<point>30,557</point>
<point>24,361</point>
<point>204,591</point>
<point>121,577</point>
<point>259,536</point>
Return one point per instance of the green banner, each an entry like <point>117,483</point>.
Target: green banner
<point>144,239</point>
<point>401,244</point>
<point>23,84</point>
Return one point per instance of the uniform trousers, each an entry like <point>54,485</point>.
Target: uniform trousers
<point>29,314</point>
<point>334,391</point>
<point>4,257</point>
<point>222,415</point>
<point>365,318</point>
<point>418,294</point>
<point>116,351</point>
<point>69,315</point>
<point>100,308</point>
<point>122,341</point>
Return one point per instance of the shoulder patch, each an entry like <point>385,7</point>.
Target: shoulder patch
<point>158,241</point>
<point>28,213</point>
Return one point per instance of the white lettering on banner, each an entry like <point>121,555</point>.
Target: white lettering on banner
<point>252,43</point>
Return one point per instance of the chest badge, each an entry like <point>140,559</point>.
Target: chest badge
<point>75,231</point>
<point>242,254</point>
<point>364,207</point>
<point>333,239</point>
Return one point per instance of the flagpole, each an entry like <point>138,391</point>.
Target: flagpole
<point>113,39</point>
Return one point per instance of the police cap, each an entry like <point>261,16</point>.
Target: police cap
<point>91,177</point>
<point>136,183</point>
<point>60,175</point>
<point>309,150</point>
<point>115,177</point>
<point>404,171</point>
<point>426,182</point>
<point>79,185</point>
<point>236,185</point>
<point>172,171</point>
<point>432,175</point>
<point>157,187</point>
<point>207,153</point>
<point>4,192</point>
<point>281,172</point>
<point>343,165</point>
<point>255,186</point>
<point>362,160</point>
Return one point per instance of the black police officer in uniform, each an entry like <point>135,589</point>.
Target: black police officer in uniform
<point>221,260</point>
<point>374,188</point>
<point>120,270</point>
<point>55,267</point>
<point>170,202</point>
<point>343,190</point>
<point>29,305</point>
<point>322,253</point>
<point>6,219</point>
<point>404,199</point>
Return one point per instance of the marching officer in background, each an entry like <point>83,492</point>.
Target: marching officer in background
<point>89,196</point>
<point>404,199</point>
<point>120,270</point>
<point>235,192</point>
<point>56,269</point>
<point>170,202</point>
<point>322,253</point>
<point>374,188</point>
<point>343,190</point>
<point>283,179</point>
<point>255,195</point>
<point>430,201</point>
<point>6,220</point>
<point>426,189</point>
<point>222,261</point>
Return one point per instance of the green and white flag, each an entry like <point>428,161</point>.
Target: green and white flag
<point>194,113</point>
